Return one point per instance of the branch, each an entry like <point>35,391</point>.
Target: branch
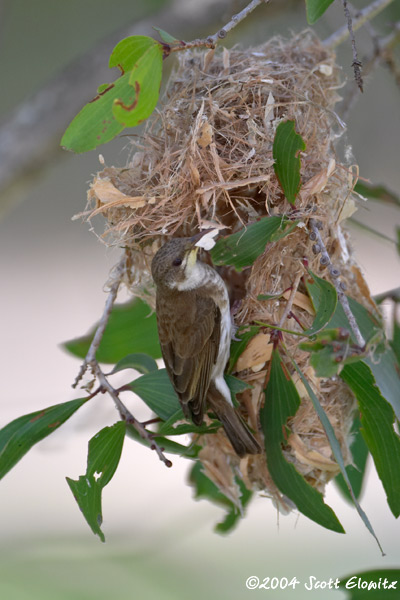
<point>367,14</point>
<point>90,359</point>
<point>212,40</point>
<point>127,416</point>
<point>319,247</point>
<point>356,64</point>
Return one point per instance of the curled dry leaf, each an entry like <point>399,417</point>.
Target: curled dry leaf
<point>311,457</point>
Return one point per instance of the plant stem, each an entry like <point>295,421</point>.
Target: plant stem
<point>364,15</point>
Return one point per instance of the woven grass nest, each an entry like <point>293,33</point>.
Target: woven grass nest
<point>205,160</point>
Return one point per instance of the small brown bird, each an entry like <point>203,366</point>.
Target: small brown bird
<point>195,327</point>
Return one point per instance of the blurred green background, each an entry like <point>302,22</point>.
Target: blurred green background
<point>160,543</point>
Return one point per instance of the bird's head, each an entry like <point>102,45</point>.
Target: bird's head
<point>175,262</point>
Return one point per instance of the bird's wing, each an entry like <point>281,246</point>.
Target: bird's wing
<point>189,339</point>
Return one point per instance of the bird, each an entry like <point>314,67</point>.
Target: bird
<point>195,329</point>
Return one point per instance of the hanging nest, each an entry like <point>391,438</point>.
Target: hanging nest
<point>205,160</point>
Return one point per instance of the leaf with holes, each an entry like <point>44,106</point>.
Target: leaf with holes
<point>133,95</point>
<point>103,457</point>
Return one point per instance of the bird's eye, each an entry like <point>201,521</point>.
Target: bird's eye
<point>177,262</point>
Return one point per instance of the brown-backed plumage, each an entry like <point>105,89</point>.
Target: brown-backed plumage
<point>194,325</point>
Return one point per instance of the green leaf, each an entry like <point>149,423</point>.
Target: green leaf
<point>103,457</point>
<point>156,390</point>
<point>395,342</point>
<point>385,370</point>
<point>336,450</point>
<point>95,124</point>
<point>356,471</point>
<point>377,192</point>
<point>167,445</point>
<point>281,402</point>
<point>166,37</point>
<point>100,120</point>
<point>378,584</point>
<point>206,489</point>
<point>262,297</point>
<point>377,419</point>
<point>145,79</point>
<point>138,361</point>
<point>327,301</point>
<point>129,50</point>
<point>315,9</point>
<point>243,247</point>
<point>243,336</point>
<point>287,145</point>
<point>20,435</point>
<point>131,329</point>
<point>236,386</point>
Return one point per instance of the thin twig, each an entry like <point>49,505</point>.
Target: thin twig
<point>381,54</point>
<point>356,64</point>
<point>90,359</point>
<point>289,303</point>
<point>126,415</point>
<point>367,14</point>
<point>212,40</point>
<point>319,247</point>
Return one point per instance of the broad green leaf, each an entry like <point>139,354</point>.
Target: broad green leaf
<point>393,294</point>
<point>166,444</point>
<point>356,471</point>
<point>145,79</point>
<point>206,489</point>
<point>131,329</point>
<point>379,584</point>
<point>287,145</point>
<point>129,50</point>
<point>377,419</point>
<point>243,336</point>
<point>281,402</point>
<point>386,372</point>
<point>336,450</point>
<point>166,37</point>
<point>95,124</point>
<point>138,361</point>
<point>395,342</point>
<point>243,247</point>
<point>20,435</point>
<point>103,457</point>
<point>236,385</point>
<point>327,301</point>
<point>377,192</point>
<point>100,120</point>
<point>155,389</point>
<point>315,9</point>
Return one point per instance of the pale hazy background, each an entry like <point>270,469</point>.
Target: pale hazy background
<point>160,543</point>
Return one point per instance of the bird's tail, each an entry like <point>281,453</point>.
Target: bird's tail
<point>239,434</point>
